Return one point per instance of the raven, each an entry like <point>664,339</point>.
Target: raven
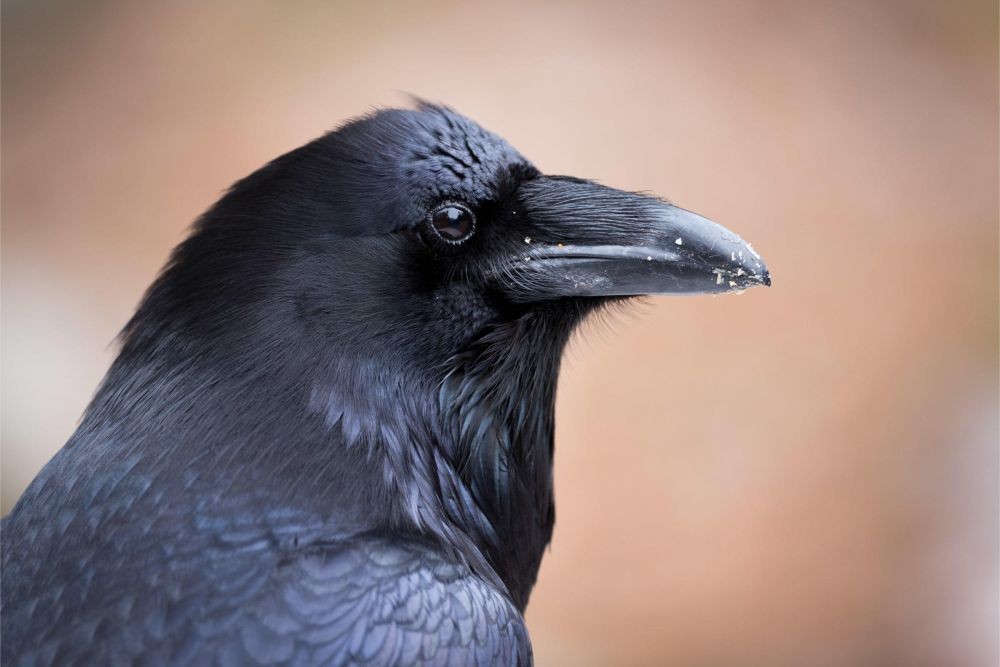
<point>328,435</point>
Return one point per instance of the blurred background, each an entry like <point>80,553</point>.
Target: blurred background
<point>805,475</point>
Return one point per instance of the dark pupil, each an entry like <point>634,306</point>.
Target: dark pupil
<point>452,223</point>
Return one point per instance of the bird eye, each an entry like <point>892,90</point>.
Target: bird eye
<point>452,223</point>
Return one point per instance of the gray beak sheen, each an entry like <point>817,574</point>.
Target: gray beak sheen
<point>605,242</point>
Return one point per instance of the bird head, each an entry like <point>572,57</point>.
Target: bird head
<point>406,233</point>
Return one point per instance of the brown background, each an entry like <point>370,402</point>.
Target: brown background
<point>805,475</point>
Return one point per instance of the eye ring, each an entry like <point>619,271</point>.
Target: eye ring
<point>451,223</point>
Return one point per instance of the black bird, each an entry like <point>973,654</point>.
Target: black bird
<point>327,438</point>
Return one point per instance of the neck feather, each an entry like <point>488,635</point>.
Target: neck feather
<point>464,455</point>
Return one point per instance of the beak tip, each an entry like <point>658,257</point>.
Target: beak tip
<point>754,265</point>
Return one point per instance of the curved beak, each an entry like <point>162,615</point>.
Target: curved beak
<point>598,241</point>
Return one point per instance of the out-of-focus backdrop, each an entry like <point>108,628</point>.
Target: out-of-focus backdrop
<point>805,475</point>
